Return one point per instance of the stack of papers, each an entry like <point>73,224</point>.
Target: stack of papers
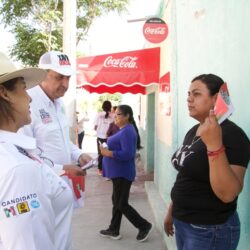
<point>92,163</point>
<point>223,106</point>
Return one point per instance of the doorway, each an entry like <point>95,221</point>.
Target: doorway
<point>150,132</point>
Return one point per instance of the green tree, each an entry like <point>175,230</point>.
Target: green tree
<point>37,24</point>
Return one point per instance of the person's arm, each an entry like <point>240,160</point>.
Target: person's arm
<point>78,156</point>
<point>226,180</point>
<point>109,131</point>
<point>105,151</point>
<point>168,222</point>
<point>83,159</point>
<point>128,147</point>
<point>83,119</point>
<point>96,122</point>
<point>75,152</point>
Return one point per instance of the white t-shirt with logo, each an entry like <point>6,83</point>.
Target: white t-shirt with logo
<point>102,124</point>
<point>35,204</point>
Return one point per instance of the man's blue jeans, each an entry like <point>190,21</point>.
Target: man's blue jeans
<point>208,237</point>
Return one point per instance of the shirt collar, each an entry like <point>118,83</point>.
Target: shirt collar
<point>17,139</point>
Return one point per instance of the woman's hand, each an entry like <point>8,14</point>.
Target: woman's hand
<point>210,132</point>
<point>105,151</point>
<point>226,180</point>
<point>168,222</point>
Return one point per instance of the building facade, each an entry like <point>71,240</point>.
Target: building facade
<point>204,37</point>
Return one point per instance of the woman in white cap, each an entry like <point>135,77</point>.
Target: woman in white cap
<point>35,204</point>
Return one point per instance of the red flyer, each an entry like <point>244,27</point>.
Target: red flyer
<point>223,106</point>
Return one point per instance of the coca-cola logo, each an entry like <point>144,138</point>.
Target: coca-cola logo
<point>158,30</point>
<point>155,30</point>
<point>124,62</point>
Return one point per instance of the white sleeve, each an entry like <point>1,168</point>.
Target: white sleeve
<point>27,219</point>
<point>75,152</point>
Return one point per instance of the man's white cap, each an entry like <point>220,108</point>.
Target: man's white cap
<point>56,61</point>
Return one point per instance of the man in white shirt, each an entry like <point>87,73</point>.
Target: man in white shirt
<point>49,123</point>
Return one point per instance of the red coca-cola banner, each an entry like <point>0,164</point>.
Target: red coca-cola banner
<point>120,72</point>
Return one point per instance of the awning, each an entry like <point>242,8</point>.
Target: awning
<point>124,72</point>
<point>165,82</point>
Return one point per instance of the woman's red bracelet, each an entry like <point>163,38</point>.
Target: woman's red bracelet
<point>216,152</point>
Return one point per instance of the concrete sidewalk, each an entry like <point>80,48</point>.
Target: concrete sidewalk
<point>96,215</point>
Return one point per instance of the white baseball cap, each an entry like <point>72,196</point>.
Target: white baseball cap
<point>8,71</point>
<point>56,61</point>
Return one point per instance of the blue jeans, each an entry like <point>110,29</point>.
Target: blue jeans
<point>208,237</point>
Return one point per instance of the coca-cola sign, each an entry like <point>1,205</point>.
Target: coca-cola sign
<point>155,30</point>
<point>123,62</point>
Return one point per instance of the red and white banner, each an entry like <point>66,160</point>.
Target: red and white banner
<point>122,72</point>
<point>165,95</point>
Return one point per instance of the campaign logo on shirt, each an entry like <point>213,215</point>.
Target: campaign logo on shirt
<point>35,204</point>
<point>10,211</point>
<point>45,116</point>
<point>20,205</point>
<point>23,207</point>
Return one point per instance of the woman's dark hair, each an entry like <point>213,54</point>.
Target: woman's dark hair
<point>106,106</point>
<point>6,109</point>
<point>114,108</point>
<point>127,110</point>
<point>212,82</point>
